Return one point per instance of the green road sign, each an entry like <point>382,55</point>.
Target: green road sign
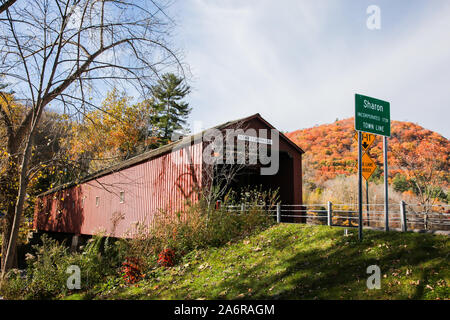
<point>372,115</point>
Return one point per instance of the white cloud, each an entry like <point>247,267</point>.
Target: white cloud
<point>299,63</point>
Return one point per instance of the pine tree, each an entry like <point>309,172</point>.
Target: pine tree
<point>171,112</point>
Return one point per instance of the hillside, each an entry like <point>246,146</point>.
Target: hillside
<point>297,261</point>
<point>331,149</point>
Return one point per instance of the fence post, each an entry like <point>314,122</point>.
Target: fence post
<point>425,218</point>
<point>242,207</point>
<point>330,213</point>
<point>278,212</point>
<point>403,216</point>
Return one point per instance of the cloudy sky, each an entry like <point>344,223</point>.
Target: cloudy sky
<point>299,63</point>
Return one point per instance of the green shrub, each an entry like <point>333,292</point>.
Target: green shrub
<point>202,226</point>
<point>46,275</point>
<point>100,260</point>
<point>15,285</point>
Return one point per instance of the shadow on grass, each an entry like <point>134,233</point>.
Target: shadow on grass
<point>340,271</point>
<point>313,262</point>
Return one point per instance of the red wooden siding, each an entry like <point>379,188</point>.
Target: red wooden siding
<point>161,180</point>
<point>164,183</point>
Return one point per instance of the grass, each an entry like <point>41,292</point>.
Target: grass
<point>295,261</point>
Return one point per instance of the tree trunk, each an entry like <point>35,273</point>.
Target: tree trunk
<point>9,191</point>
<point>6,234</point>
<point>10,255</point>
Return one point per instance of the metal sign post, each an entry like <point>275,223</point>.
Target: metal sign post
<point>360,206</point>
<point>386,195</point>
<point>367,204</point>
<point>374,116</point>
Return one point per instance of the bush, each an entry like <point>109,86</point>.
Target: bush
<point>105,265</point>
<point>131,270</point>
<point>202,226</point>
<point>166,258</point>
<point>14,286</point>
<point>46,275</point>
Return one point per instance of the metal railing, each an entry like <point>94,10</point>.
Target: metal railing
<point>401,215</point>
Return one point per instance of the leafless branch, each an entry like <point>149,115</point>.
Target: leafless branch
<point>5,4</point>
<point>70,53</point>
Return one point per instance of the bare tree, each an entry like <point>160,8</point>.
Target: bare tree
<point>227,157</point>
<point>5,4</point>
<point>219,179</point>
<point>426,167</point>
<point>67,53</point>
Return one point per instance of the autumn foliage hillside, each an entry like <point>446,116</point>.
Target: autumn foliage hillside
<point>331,150</point>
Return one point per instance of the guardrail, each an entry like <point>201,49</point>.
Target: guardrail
<point>402,216</point>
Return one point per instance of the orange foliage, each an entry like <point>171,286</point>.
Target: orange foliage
<point>114,132</point>
<point>331,149</point>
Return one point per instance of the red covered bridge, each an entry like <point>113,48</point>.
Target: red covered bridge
<point>168,178</point>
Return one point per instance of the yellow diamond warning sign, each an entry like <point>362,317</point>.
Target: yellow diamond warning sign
<point>368,166</point>
<point>367,139</point>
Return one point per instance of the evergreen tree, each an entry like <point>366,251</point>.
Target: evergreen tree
<point>171,112</point>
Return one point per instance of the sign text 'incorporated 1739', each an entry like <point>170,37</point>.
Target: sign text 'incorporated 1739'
<point>372,115</point>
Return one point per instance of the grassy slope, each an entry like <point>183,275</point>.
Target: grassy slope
<point>305,262</point>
